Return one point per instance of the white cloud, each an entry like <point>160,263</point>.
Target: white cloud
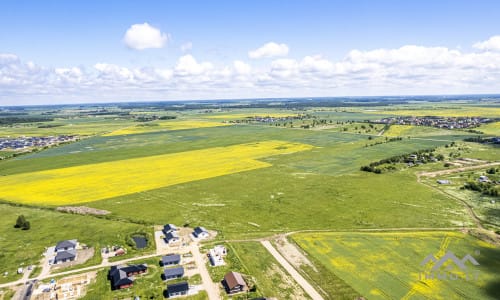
<point>187,65</point>
<point>270,49</point>
<point>186,47</point>
<point>241,67</point>
<point>144,36</point>
<point>492,44</point>
<point>409,69</point>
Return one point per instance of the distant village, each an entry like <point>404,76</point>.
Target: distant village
<point>34,142</point>
<point>439,122</point>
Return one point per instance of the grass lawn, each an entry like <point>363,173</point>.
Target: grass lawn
<point>47,228</point>
<point>387,265</point>
<point>254,261</point>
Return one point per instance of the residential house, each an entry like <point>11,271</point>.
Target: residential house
<point>200,233</point>
<point>169,228</point>
<point>122,276</point>
<point>216,255</point>
<point>65,256</point>
<point>170,260</point>
<point>172,237</point>
<point>443,181</point>
<point>177,289</point>
<point>233,283</point>
<point>66,245</point>
<point>172,273</point>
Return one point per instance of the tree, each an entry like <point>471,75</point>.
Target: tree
<point>20,221</point>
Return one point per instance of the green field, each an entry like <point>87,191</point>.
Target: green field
<point>320,188</point>
<point>387,265</point>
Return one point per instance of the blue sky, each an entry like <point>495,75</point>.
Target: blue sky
<point>73,51</point>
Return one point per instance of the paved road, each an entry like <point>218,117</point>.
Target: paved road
<point>308,288</point>
<point>211,288</point>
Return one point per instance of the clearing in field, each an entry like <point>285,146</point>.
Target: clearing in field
<point>161,126</point>
<point>388,265</point>
<point>92,182</point>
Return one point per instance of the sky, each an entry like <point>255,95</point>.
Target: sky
<point>110,51</point>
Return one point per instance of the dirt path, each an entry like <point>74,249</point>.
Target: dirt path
<point>211,288</point>
<point>455,170</point>
<point>308,288</point>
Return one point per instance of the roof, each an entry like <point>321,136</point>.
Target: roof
<point>169,227</point>
<point>66,244</point>
<point>234,279</point>
<point>200,229</point>
<point>171,235</point>
<point>177,287</point>
<point>134,268</point>
<point>119,277</point>
<point>65,255</point>
<point>179,271</point>
<point>173,258</point>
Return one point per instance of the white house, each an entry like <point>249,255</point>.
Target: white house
<point>200,233</point>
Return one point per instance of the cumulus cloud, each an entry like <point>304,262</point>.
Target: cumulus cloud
<point>144,36</point>
<point>410,69</point>
<point>492,44</point>
<point>270,49</point>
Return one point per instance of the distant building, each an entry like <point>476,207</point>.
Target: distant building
<point>172,237</point>
<point>483,178</point>
<point>443,181</point>
<point>200,233</point>
<point>169,228</point>
<point>66,245</point>
<point>177,289</point>
<point>172,273</point>
<point>170,260</point>
<point>233,283</point>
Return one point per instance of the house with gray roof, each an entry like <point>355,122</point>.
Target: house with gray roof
<point>65,256</point>
<point>66,245</point>
<point>170,260</point>
<point>172,273</point>
<point>172,237</point>
<point>200,233</point>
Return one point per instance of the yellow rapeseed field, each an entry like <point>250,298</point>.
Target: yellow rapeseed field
<point>461,111</point>
<point>397,130</point>
<point>165,125</point>
<point>491,128</point>
<point>93,182</point>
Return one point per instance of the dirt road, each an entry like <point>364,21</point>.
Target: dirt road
<point>209,286</point>
<point>455,170</point>
<point>308,288</point>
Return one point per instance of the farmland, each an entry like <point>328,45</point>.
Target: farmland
<point>252,181</point>
<point>387,265</point>
<point>84,183</point>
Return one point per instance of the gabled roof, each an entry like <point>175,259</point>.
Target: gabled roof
<point>233,279</point>
<point>199,230</point>
<point>119,277</point>
<point>66,244</point>
<point>171,235</point>
<point>168,259</point>
<point>65,255</point>
<point>169,227</point>
<point>134,268</point>
<point>178,287</point>
<point>179,271</point>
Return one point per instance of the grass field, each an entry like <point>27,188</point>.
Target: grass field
<point>440,111</point>
<point>93,182</point>
<point>417,131</point>
<point>387,265</point>
<point>253,260</point>
<point>24,247</point>
<point>490,128</point>
<point>162,126</point>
